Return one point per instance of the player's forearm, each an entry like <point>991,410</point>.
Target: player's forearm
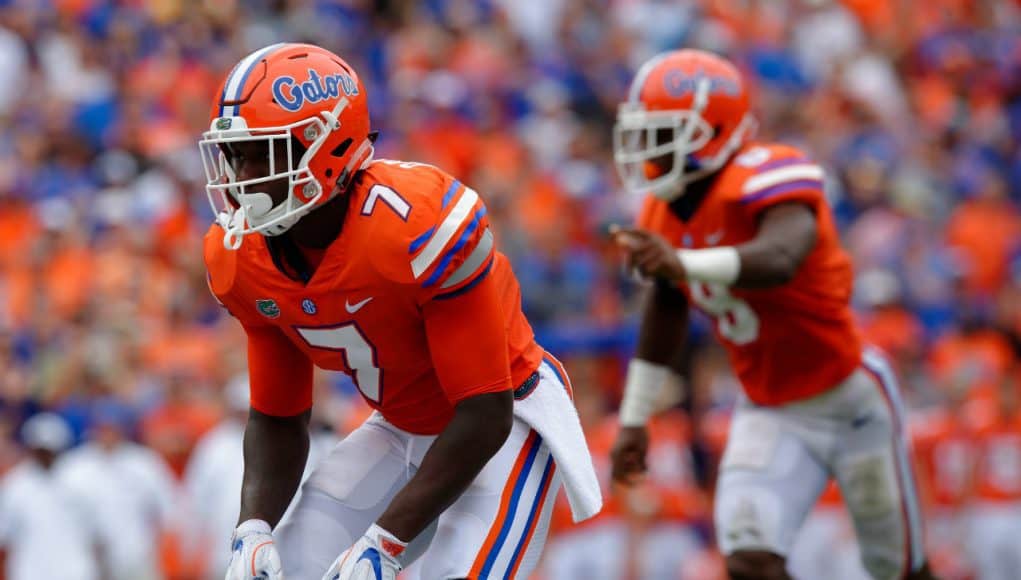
<point>653,376</point>
<point>664,325</point>
<point>479,428</point>
<point>275,451</point>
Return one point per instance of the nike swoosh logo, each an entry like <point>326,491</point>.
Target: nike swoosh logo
<point>352,308</point>
<point>372,555</point>
<point>859,422</point>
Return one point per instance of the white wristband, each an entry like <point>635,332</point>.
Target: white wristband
<point>718,265</point>
<point>642,389</point>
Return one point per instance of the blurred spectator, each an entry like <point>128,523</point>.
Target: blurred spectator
<point>213,482</point>
<point>945,466</point>
<point>129,490</point>
<point>46,530</point>
<point>648,531</point>
<point>995,524</point>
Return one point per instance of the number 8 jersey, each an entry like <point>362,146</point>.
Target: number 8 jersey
<point>414,242</point>
<point>792,341</point>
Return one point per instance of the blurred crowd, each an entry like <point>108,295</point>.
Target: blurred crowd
<point>117,362</point>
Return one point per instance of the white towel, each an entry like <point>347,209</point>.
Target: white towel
<point>551,413</point>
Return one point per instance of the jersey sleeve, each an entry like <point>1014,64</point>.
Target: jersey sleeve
<point>221,266</point>
<point>279,374</point>
<point>780,175</point>
<point>441,245</point>
<point>467,337</point>
<point>456,252</point>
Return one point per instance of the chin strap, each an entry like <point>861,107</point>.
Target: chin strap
<point>233,224</point>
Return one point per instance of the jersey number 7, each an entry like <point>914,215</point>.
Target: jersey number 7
<point>359,355</point>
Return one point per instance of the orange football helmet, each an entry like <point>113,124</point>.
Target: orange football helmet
<point>298,97</point>
<point>687,113</point>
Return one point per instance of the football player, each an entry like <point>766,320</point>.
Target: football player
<point>742,230</point>
<point>386,271</point>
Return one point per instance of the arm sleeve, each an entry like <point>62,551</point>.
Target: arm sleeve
<point>468,341</point>
<point>279,373</point>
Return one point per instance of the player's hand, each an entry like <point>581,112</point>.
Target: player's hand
<point>255,555</point>
<point>373,557</point>
<point>628,455</point>
<point>648,253</point>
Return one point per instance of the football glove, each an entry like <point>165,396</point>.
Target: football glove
<point>255,555</point>
<point>373,557</point>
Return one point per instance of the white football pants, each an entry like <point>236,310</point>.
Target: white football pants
<point>496,529</point>
<point>779,459</point>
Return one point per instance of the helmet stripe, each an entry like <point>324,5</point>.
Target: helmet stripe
<point>233,89</point>
<point>635,92</point>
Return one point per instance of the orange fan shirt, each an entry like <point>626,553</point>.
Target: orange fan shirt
<point>945,454</point>
<point>792,341</point>
<point>411,300</point>
<point>997,441</point>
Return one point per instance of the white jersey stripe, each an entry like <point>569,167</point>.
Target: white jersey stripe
<point>782,175</point>
<point>457,217</point>
<point>474,261</point>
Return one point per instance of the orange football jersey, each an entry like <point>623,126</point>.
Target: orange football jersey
<point>792,341</point>
<point>386,303</point>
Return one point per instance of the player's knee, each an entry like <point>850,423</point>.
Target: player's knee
<point>756,565</point>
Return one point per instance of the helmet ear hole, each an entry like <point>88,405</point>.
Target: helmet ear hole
<point>341,149</point>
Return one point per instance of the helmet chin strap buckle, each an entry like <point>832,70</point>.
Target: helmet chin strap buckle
<point>233,225</point>
<point>255,204</point>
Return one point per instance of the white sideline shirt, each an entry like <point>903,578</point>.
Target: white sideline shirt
<point>132,493</point>
<point>45,528</point>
